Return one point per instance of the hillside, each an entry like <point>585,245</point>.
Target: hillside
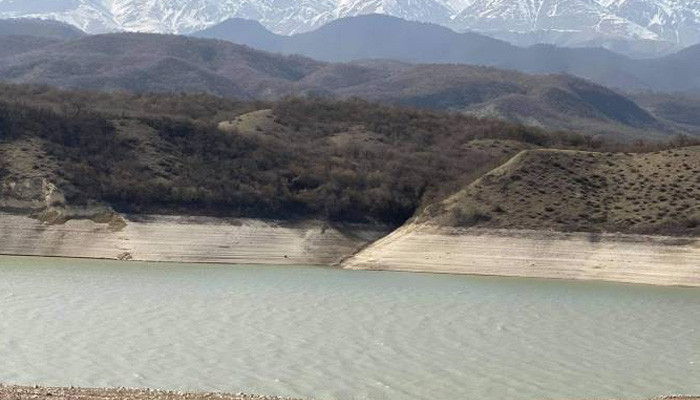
<point>676,108</point>
<point>632,48</point>
<point>15,45</point>
<point>39,28</point>
<point>369,37</point>
<point>159,63</point>
<point>553,102</point>
<point>197,154</point>
<point>343,161</point>
<point>558,190</point>
<point>317,182</point>
<point>384,37</point>
<point>18,36</point>
<point>676,72</point>
<point>560,214</point>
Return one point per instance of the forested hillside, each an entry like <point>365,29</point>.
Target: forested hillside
<point>159,63</point>
<point>197,154</point>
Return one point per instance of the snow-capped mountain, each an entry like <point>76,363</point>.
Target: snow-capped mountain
<point>550,15</point>
<point>183,16</point>
<point>675,21</point>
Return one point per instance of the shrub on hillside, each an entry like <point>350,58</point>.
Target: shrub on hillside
<point>467,215</point>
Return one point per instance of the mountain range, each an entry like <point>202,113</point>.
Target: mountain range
<point>39,28</point>
<point>385,37</point>
<point>669,23</point>
<point>137,62</point>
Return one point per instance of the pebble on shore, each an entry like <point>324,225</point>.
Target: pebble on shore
<point>71,393</point>
<point>46,393</point>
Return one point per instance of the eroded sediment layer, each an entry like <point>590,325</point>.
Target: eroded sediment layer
<point>186,239</point>
<point>537,254</point>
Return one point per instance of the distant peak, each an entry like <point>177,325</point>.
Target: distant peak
<point>661,20</point>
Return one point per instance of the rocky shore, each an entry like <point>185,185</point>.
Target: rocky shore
<point>45,393</point>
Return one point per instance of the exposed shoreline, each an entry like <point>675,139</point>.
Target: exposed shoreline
<point>419,248</point>
<point>55,393</point>
<point>637,259</point>
<point>187,240</point>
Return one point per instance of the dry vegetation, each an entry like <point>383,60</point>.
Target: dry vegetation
<point>347,161</point>
<point>170,64</point>
<point>681,109</point>
<point>657,192</point>
<point>350,161</point>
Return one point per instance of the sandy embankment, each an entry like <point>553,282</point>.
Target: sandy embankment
<point>186,239</point>
<point>535,254</point>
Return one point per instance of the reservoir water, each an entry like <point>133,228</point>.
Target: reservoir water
<point>332,334</point>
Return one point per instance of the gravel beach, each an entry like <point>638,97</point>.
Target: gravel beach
<point>45,393</point>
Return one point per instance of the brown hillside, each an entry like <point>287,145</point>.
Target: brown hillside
<point>14,45</point>
<point>584,191</point>
<point>344,161</point>
<point>161,63</point>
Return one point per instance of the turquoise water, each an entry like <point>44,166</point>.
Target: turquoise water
<point>333,334</point>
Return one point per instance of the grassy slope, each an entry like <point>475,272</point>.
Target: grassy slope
<point>655,192</point>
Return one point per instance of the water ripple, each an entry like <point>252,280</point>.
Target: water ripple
<point>331,334</point>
